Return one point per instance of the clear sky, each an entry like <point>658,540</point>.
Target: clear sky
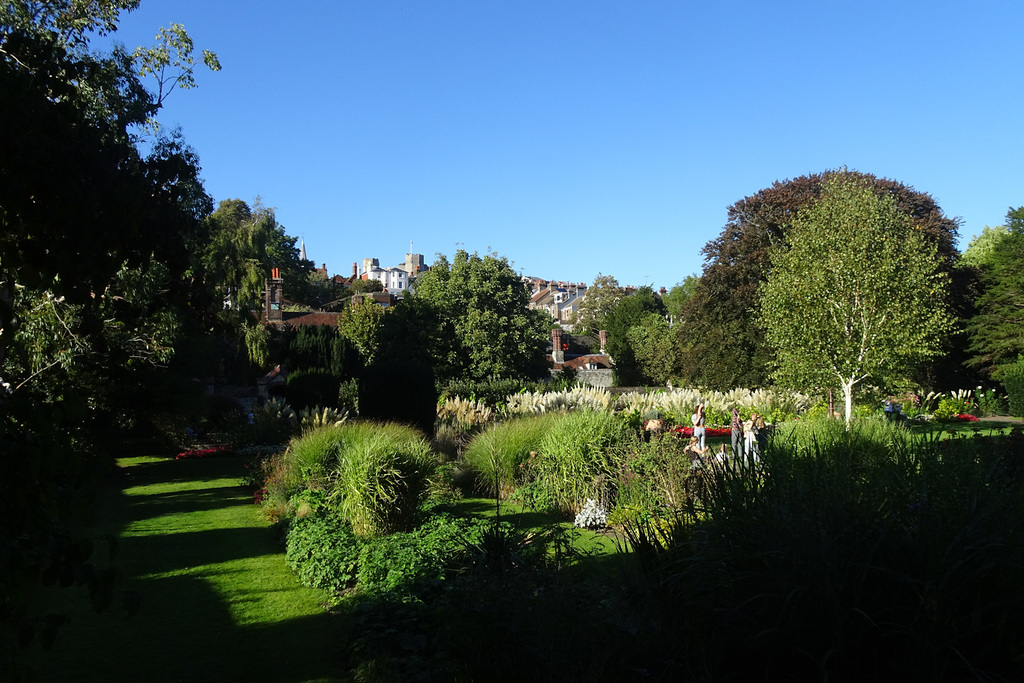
<point>578,137</point>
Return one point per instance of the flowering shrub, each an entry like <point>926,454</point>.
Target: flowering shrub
<point>966,417</point>
<point>215,452</point>
<point>592,516</point>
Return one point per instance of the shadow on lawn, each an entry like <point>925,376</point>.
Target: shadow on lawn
<point>174,502</point>
<point>510,512</point>
<point>185,632</point>
<point>196,622</point>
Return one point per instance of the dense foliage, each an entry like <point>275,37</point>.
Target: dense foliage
<point>98,242</point>
<point>723,338</point>
<point>859,292</point>
<point>468,319</point>
<point>997,331</point>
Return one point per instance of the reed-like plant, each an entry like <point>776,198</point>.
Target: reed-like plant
<point>317,418</point>
<point>497,455</point>
<point>381,476</point>
<point>577,398</point>
<point>467,414</point>
<point>576,459</point>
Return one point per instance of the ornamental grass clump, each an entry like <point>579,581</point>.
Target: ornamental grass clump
<point>497,456</point>
<point>576,458</point>
<point>577,398</point>
<point>317,417</point>
<point>468,414</point>
<point>381,476</point>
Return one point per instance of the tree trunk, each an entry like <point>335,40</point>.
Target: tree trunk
<point>848,396</point>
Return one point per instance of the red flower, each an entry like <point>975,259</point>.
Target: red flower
<point>204,453</point>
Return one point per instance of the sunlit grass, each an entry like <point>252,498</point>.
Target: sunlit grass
<point>218,600</point>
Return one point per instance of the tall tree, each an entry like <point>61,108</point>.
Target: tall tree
<point>724,340</point>
<point>997,330</point>
<point>682,292</point>
<point>600,298</point>
<point>655,348</point>
<point>982,247</point>
<point>628,312</point>
<point>245,243</point>
<point>470,319</point>
<point>96,244</point>
<point>859,292</point>
<point>362,324</point>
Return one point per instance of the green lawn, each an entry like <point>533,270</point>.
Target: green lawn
<point>218,601</point>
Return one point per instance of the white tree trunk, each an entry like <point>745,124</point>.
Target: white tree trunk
<point>848,397</point>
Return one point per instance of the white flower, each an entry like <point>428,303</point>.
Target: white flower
<point>592,516</point>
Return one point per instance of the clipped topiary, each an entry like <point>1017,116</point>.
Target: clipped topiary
<point>399,391</point>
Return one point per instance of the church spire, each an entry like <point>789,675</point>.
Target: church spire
<point>302,252</point>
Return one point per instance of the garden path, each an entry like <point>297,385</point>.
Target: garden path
<point>218,601</point>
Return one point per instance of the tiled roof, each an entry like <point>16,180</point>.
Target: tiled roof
<point>300,319</point>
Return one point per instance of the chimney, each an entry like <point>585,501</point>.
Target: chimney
<point>603,336</point>
<point>355,270</point>
<point>273,304</point>
<point>557,353</point>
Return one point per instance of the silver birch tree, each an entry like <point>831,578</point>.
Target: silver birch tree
<point>858,293</point>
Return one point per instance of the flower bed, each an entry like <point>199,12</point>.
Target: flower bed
<point>966,417</point>
<point>708,431</point>
<point>213,452</point>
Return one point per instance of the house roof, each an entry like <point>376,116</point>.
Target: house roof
<point>301,318</point>
<point>601,360</point>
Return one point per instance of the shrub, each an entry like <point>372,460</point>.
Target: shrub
<point>856,555</point>
<point>653,477</point>
<point>399,392</point>
<point>273,423</point>
<point>991,403</point>
<point>1012,377</point>
<point>497,456</point>
<point>324,552</point>
<point>947,410</point>
<point>381,476</point>
<point>315,387</point>
<point>492,393</point>
<point>401,562</point>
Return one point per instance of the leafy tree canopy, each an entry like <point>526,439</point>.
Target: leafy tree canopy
<point>981,248</point>
<point>724,342</point>
<point>655,349</point>
<point>470,318</point>
<point>630,311</point>
<point>860,291</point>
<point>600,298</point>
<point>245,243</point>
<point>682,292</point>
<point>363,323</point>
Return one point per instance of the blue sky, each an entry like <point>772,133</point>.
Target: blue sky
<point>582,137</point>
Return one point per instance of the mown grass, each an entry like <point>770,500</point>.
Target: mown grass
<point>218,601</point>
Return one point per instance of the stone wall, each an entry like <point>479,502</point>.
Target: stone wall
<point>592,378</point>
